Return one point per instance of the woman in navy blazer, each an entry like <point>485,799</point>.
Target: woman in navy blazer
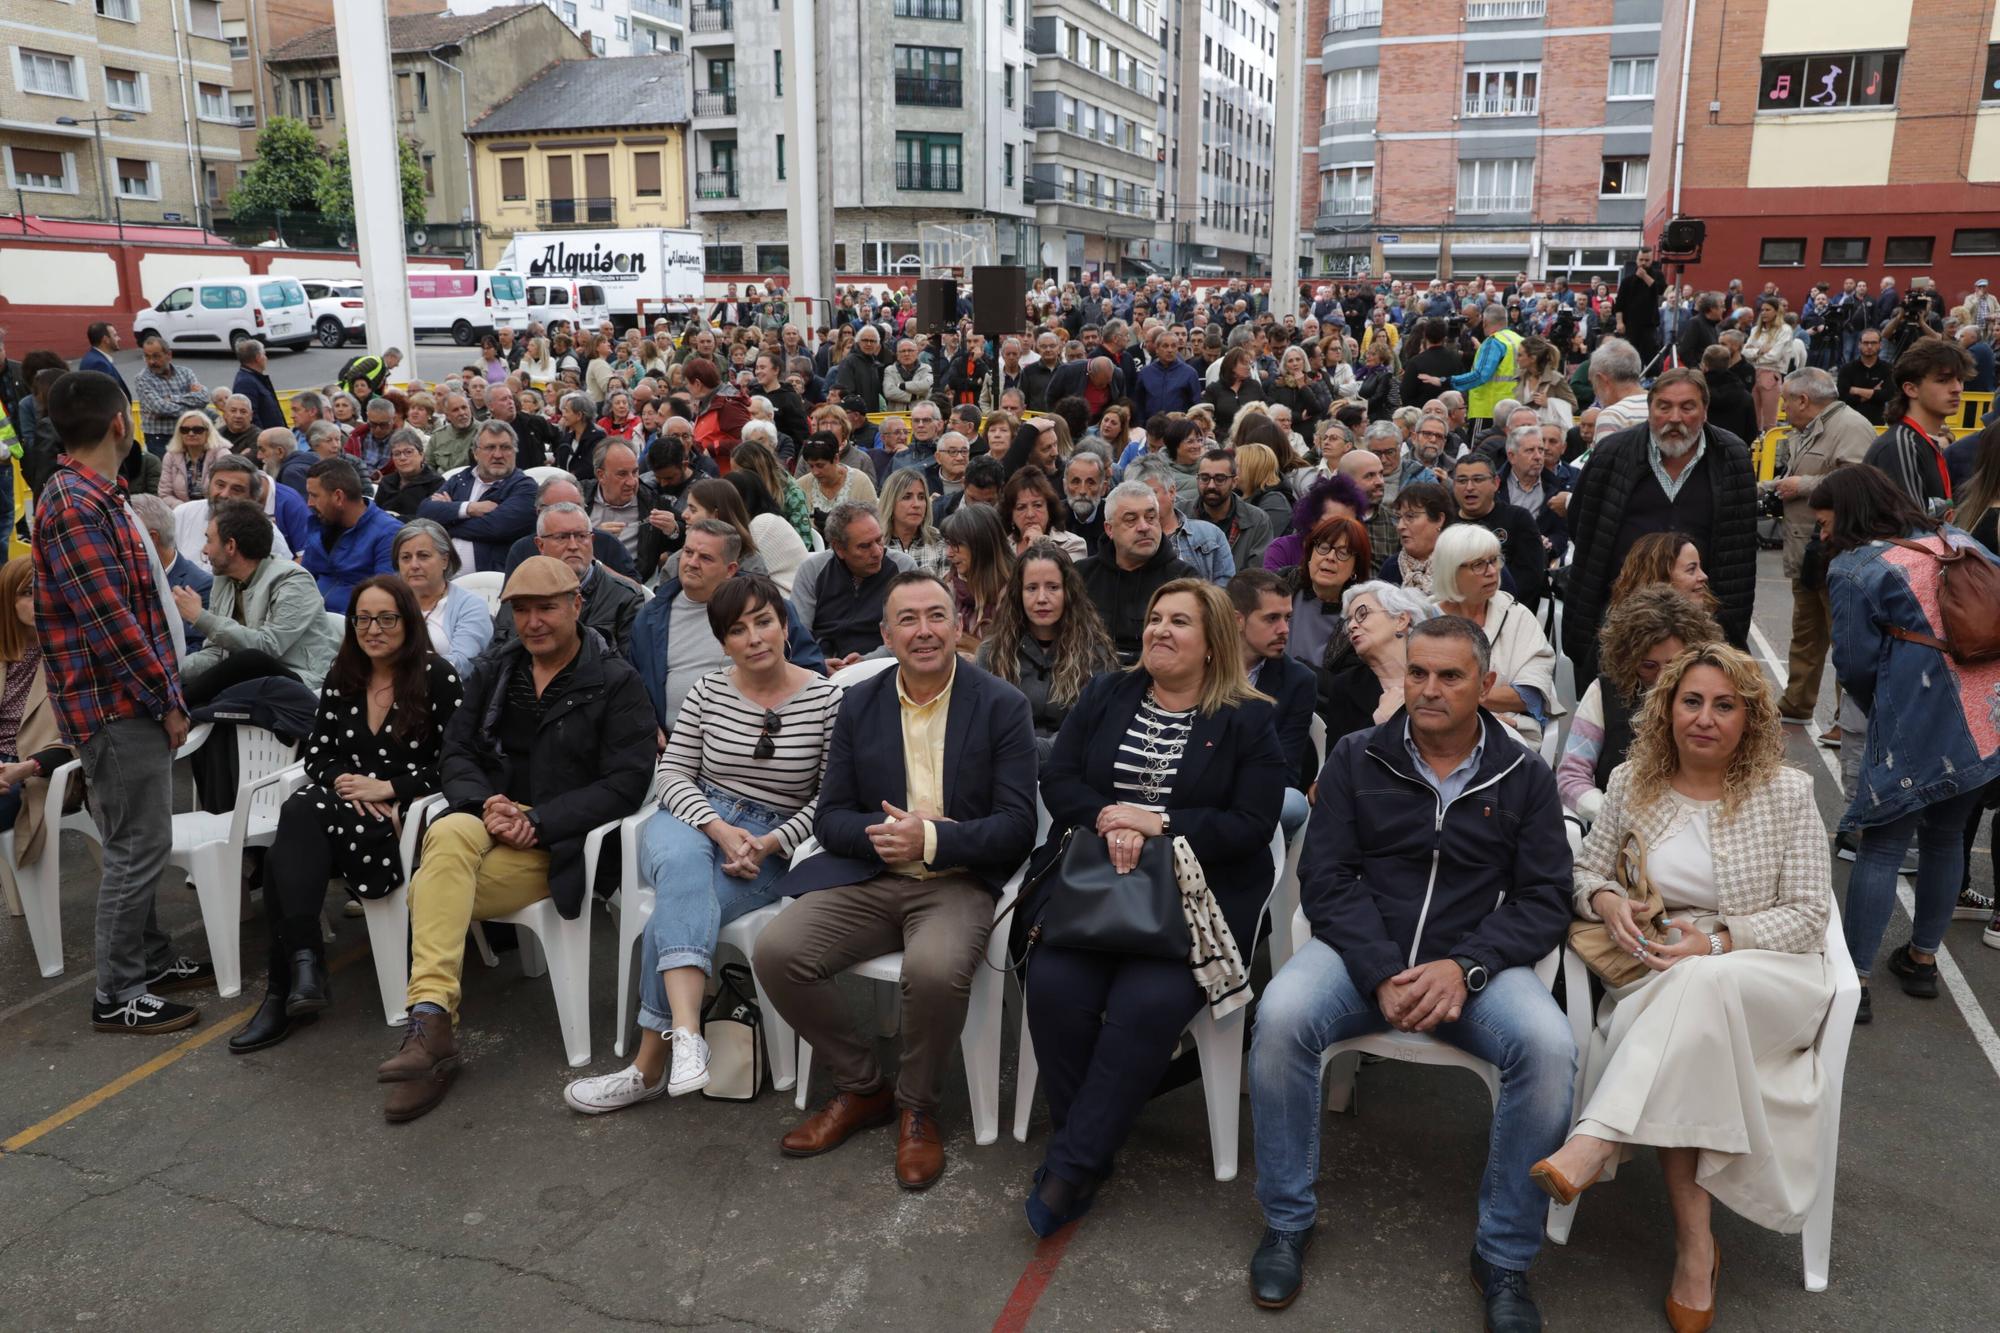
<point>1179,746</point>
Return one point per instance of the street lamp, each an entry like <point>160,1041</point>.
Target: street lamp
<point>103,182</point>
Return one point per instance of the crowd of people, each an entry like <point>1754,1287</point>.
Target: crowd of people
<point>895,595</point>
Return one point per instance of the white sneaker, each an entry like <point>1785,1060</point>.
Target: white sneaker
<point>690,1071</point>
<point>611,1092</point>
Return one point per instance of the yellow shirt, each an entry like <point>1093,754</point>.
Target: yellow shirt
<point>923,763</point>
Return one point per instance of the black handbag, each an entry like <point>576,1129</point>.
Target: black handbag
<point>1080,901</point>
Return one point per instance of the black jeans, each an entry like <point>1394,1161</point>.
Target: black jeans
<point>296,869</point>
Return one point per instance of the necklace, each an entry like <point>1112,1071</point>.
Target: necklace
<point>1159,754</point>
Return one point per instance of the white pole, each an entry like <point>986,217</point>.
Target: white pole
<point>368,103</point>
<point>1286,153</point>
<point>1681,116</point>
<point>805,197</point>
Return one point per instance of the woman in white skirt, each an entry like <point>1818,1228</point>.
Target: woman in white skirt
<point>1710,1058</point>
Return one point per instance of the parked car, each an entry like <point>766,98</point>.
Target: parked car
<point>339,314</point>
<point>467,303</point>
<point>221,312</point>
<point>578,303</point>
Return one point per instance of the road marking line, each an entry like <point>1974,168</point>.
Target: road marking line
<point>91,1101</point>
<point>1035,1279</point>
<point>1954,980</point>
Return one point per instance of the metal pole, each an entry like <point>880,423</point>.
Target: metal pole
<point>807,200</point>
<point>471,209</point>
<point>368,100</point>
<point>1285,168</point>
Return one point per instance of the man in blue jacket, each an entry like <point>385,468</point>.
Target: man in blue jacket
<point>254,383</point>
<point>347,538</point>
<point>1435,874</point>
<point>489,506</point>
<point>1167,384</point>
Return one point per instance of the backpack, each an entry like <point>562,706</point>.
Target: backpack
<point>1968,593</point>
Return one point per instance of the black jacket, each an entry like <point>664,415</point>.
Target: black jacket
<point>1121,597</point>
<point>1308,404</point>
<point>654,545</point>
<point>1227,401</point>
<point>577,453</point>
<point>859,378</point>
<point>400,498</point>
<point>1224,800</point>
<point>1035,379</point>
<point>593,756</point>
<point>1597,518</point>
<point>1294,687</point>
<point>1729,404</point>
<point>1391,877</point>
<point>538,437</point>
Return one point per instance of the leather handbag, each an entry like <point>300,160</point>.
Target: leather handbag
<point>1080,901</point>
<point>1593,941</point>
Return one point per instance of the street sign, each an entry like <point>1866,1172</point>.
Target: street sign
<point>1390,239</point>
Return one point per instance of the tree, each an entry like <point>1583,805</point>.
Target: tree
<point>336,192</point>
<point>287,176</point>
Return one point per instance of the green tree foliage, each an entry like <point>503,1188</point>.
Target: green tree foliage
<point>336,192</point>
<point>288,175</point>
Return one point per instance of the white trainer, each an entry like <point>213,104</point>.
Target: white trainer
<point>611,1092</point>
<point>690,1071</point>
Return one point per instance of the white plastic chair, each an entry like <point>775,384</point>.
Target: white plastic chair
<point>209,847</point>
<point>338,624</point>
<point>818,542</point>
<point>35,891</point>
<point>850,676</point>
<point>455,471</point>
<point>1285,897</point>
<point>1835,1034</point>
<point>1218,1046</point>
<point>487,583</point>
<point>545,474</point>
<point>1550,748</point>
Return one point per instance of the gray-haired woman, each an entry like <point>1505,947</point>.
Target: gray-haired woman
<point>460,625</point>
<point>1367,689</point>
<point>410,479</point>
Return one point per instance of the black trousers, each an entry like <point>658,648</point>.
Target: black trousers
<point>1105,1027</point>
<point>296,869</point>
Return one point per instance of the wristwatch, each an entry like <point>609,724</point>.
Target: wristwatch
<point>1475,974</point>
<point>534,818</point>
<point>1715,946</point>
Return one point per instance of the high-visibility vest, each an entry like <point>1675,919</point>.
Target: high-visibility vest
<point>1481,401</point>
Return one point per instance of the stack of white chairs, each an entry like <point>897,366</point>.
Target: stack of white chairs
<point>36,890</point>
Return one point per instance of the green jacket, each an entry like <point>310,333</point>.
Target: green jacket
<point>282,614</point>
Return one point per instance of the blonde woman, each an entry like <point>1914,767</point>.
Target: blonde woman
<point>1710,1057</point>
<point>537,364</point>
<point>1767,350</point>
<point>184,471</point>
<point>906,521</point>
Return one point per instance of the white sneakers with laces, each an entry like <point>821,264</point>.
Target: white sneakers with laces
<point>690,1071</point>
<point>627,1087</point>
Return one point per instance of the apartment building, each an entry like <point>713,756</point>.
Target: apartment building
<point>1461,137</point>
<point>1832,139</point>
<point>922,124</point>
<point>1219,122</point>
<point>612,27</point>
<point>116,109</point>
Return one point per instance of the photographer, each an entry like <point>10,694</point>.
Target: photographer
<point>1864,381</point>
<point>1917,317</point>
<point>1636,307</point>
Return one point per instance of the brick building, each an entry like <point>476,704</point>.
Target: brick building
<point>1482,136</point>
<point>1833,139</point>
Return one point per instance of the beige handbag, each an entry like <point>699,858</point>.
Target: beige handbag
<point>1593,941</point>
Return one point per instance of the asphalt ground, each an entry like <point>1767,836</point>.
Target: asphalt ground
<point>164,1183</point>
<point>311,368</point>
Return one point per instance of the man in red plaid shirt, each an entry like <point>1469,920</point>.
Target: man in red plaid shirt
<point>110,646</point>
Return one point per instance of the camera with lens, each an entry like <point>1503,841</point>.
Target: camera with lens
<point>1916,305</point>
<point>1564,331</point>
<point>1770,505</point>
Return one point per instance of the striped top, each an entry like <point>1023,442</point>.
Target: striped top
<point>715,738</point>
<point>1149,754</point>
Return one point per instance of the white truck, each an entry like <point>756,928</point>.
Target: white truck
<point>643,270</point>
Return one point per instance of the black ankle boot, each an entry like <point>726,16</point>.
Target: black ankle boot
<point>268,1026</point>
<point>310,993</point>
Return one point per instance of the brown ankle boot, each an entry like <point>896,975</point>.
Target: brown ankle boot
<point>833,1124</point>
<point>419,1075</point>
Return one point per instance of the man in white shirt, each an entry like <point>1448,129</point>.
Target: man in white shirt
<point>1614,379</point>
<point>230,478</point>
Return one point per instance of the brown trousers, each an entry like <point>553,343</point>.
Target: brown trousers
<point>1812,639</point>
<point>939,924</point>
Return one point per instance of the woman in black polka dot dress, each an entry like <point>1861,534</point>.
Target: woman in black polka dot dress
<point>373,751</point>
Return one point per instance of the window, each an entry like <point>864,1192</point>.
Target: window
<point>214,102</point>
<point>623,28</point>
<point>50,74</point>
<point>1502,90</point>
<point>1347,190</point>
<point>1976,241</point>
<point>243,108</point>
<point>1009,13</point>
<point>1838,250</point>
<point>945,11</point>
<point>781,157</point>
<point>124,10</point>
<point>40,169</point>
<point>1350,94</point>
<point>423,91</point>
<point>929,76</point>
<point>1007,164</point>
<point>928,162</point>
<point>774,259</point>
<point>1830,83</point>
<point>124,89</point>
<point>1502,185</point>
<point>1007,86</point>
<point>237,33</point>
<point>646,175</point>
<point>430,173</point>
<point>1632,78</point>
<point>722,258</point>
<point>569,13</point>
<point>1624,177</point>
<point>1991,91</point>
<point>597,45</point>
<point>326,95</point>
<point>224,298</point>
<point>212,181</point>
<point>1782,252</point>
<point>513,178</point>
<point>1908,250</point>
<point>778,72</point>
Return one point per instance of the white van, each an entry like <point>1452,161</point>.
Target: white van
<point>467,303</point>
<point>221,312</point>
<point>578,303</point>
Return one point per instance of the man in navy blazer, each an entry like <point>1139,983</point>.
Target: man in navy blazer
<point>1264,615</point>
<point>489,506</point>
<point>926,808</point>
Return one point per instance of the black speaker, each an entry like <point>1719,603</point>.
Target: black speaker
<point>937,305</point>
<point>999,298</point>
<point>1682,238</point>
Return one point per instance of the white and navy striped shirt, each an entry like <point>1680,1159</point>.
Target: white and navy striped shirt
<point>1149,755</point>
<point>715,740</point>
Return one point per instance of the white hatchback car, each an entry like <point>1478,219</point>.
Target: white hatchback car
<point>218,313</point>
<point>339,314</point>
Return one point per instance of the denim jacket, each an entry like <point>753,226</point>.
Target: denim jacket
<point>1933,724</point>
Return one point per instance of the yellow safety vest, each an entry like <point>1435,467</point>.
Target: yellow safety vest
<point>1481,401</point>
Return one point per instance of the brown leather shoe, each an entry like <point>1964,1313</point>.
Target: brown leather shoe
<point>428,1050</point>
<point>833,1124</point>
<point>412,1097</point>
<point>919,1151</point>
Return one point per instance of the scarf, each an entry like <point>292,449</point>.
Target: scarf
<point>1216,961</point>
<point>1416,573</point>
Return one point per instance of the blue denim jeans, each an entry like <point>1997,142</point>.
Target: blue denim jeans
<point>1513,1024</point>
<point>1871,888</point>
<point>1293,817</point>
<point>692,898</point>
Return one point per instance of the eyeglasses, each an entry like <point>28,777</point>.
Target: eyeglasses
<point>386,620</point>
<point>767,746</point>
<point>194,430</point>
<point>1341,553</point>
<point>1483,565</point>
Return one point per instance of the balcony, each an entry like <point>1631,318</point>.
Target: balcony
<point>1484,11</point>
<point>715,17</point>
<point>1496,203</point>
<point>919,90</point>
<point>715,184</point>
<point>1039,118</point>
<point>1359,207</point>
<point>576,212</point>
<point>1349,19</point>
<point>1503,106</point>
<point>946,177</point>
<point>708,105</point>
<point>1055,192</point>
<point>944,11</point>
<point>1361,109</point>
<point>670,12</point>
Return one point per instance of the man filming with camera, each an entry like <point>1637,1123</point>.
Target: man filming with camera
<point>1919,316</point>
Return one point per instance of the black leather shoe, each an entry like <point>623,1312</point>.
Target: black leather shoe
<point>1509,1307</point>
<point>310,991</point>
<point>267,1027</point>
<point>1278,1269</point>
